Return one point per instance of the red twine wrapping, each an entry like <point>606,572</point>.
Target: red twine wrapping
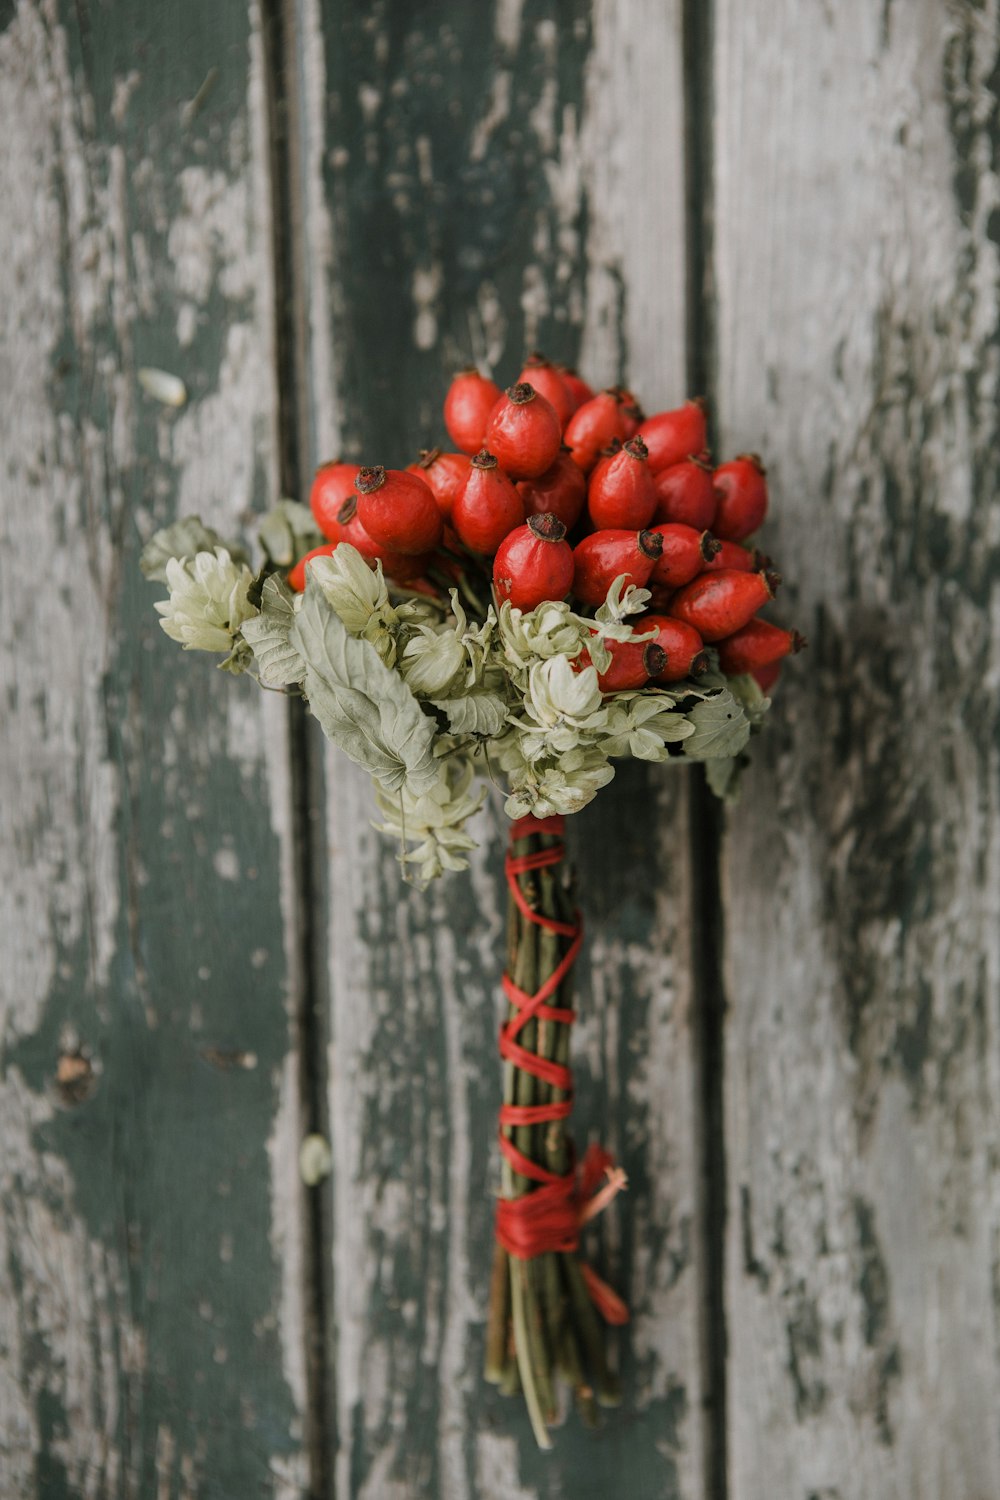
<point>550,1216</point>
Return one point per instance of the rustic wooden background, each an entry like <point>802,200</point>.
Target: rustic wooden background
<point>311,212</point>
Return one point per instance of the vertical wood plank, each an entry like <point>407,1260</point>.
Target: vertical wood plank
<point>150,1341</point>
<point>480,181</point>
<point>858,274</point>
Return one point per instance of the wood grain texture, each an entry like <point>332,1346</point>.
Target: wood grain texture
<point>149,1257</point>
<point>857,266</point>
<point>471,191</point>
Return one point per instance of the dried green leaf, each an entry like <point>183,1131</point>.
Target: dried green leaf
<point>361,704</point>
<point>268,635</point>
<point>288,532</point>
<point>184,539</point>
<point>479,714</point>
<point>721,728</point>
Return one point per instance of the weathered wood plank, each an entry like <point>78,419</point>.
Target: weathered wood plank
<point>857,268</point>
<point>150,1342</point>
<point>476,186</point>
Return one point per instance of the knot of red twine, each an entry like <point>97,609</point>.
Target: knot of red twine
<point>551,1215</point>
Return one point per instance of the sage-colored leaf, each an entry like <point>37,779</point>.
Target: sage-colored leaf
<point>721,728</point>
<point>268,636</point>
<point>288,532</point>
<point>724,776</point>
<point>480,714</point>
<point>361,704</point>
<point>185,538</point>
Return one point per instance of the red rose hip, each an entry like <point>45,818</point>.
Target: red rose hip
<point>578,388</point>
<point>402,567</point>
<point>738,559</point>
<point>741,497</point>
<point>296,575</point>
<point>604,555</point>
<point>524,433</point>
<point>548,382</point>
<point>467,406</point>
<point>398,510</point>
<point>444,474</point>
<point>330,488</point>
<point>757,644</point>
<point>488,508</point>
<point>681,645</point>
<point>685,553</point>
<point>561,491</point>
<point>685,492</point>
<point>620,492</point>
<point>766,677</point>
<point>534,562</point>
<point>594,426</point>
<point>717,604</point>
<point>673,436</point>
<point>633,664</point>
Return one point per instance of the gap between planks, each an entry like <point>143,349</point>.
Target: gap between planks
<point>278,20</point>
<point>705,820</point>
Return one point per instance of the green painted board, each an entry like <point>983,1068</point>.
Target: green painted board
<point>468,185</point>
<point>150,1342</point>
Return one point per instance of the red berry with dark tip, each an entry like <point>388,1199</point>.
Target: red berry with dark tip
<point>594,426</point>
<point>488,508</point>
<point>737,559</point>
<point>467,407</point>
<point>685,553</point>
<point>681,645</point>
<point>542,375</point>
<point>524,432</point>
<point>444,474</point>
<point>633,664</point>
<point>620,491</point>
<point>632,413</point>
<point>398,510</point>
<point>685,492</point>
<point>717,604</point>
<point>673,436</point>
<point>330,488</point>
<point>757,644</point>
<point>578,388</point>
<point>296,576</point>
<point>398,565</point>
<point>534,562</point>
<point>561,490</point>
<point>604,555</point>
<point>740,496</point>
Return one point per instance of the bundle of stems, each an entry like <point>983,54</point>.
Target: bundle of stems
<point>542,1321</point>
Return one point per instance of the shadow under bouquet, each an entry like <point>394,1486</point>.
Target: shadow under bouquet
<point>570,585</point>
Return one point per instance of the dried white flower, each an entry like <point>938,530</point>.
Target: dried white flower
<point>208,600</point>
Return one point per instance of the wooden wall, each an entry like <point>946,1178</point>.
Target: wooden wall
<point>311,212</point>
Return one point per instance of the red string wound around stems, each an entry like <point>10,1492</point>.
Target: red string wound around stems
<point>549,1216</point>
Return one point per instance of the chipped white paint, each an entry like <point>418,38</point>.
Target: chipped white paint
<point>858,322</point>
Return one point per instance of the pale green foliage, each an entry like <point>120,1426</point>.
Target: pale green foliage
<point>268,635</point>
<point>184,539</point>
<point>425,699</point>
<point>435,820</point>
<point>208,600</point>
<point>288,532</point>
<point>363,705</point>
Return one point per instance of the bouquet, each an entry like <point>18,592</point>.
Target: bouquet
<point>571,584</point>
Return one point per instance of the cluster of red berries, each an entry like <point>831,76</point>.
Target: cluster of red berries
<point>548,459</point>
